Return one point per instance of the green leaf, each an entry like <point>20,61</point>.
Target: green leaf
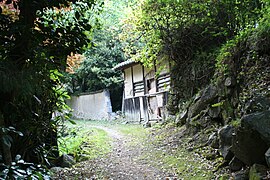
<point>218,104</point>
<point>71,121</point>
<point>7,140</point>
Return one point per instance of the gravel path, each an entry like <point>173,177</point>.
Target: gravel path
<point>123,163</point>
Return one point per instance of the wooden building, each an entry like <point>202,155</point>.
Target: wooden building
<point>145,91</point>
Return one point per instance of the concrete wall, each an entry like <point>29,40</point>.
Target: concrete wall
<point>95,106</point>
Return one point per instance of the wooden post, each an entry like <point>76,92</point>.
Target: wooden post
<point>144,83</point>
<point>156,82</point>
<point>132,79</point>
<point>124,94</point>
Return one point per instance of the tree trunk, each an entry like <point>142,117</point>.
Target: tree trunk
<point>6,153</point>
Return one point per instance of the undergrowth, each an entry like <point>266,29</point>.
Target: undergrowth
<point>84,142</point>
<point>165,147</point>
<point>169,149</point>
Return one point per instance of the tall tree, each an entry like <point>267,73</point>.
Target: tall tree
<point>96,71</point>
<point>34,44</point>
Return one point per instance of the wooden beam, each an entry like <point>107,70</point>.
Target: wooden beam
<point>155,69</point>
<point>144,83</point>
<point>124,89</point>
<point>132,79</point>
<point>124,94</point>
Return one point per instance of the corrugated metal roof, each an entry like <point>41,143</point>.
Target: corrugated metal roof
<point>124,65</point>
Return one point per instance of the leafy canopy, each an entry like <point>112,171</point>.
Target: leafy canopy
<point>96,71</point>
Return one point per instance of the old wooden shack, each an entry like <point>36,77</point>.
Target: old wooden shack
<point>145,91</point>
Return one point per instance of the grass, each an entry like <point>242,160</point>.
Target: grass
<point>176,158</point>
<point>86,141</point>
<point>184,164</point>
<point>136,131</point>
<point>83,141</point>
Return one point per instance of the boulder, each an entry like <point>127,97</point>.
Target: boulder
<point>225,141</point>
<point>181,118</point>
<point>235,164</point>
<point>241,175</point>
<point>66,161</point>
<point>213,141</point>
<point>227,111</point>
<point>259,122</point>
<point>214,112</point>
<point>258,172</point>
<point>248,146</point>
<point>267,157</point>
<point>209,94</point>
<point>56,169</point>
<point>257,104</point>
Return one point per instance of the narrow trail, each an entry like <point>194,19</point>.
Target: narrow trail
<point>134,153</point>
<point>116,135</point>
<point>123,163</point>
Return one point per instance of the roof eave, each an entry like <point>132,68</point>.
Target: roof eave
<point>125,65</point>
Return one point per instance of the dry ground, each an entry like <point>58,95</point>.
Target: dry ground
<point>143,156</point>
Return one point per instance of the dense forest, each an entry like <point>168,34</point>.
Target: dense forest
<point>219,52</point>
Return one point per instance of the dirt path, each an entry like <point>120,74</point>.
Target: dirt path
<point>123,163</point>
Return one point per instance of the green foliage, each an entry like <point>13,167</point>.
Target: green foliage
<point>96,71</point>
<point>83,141</point>
<point>236,123</point>
<point>189,34</point>
<point>246,58</point>
<point>19,169</point>
<point>190,25</point>
<point>253,174</point>
<point>34,44</point>
<point>70,28</point>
